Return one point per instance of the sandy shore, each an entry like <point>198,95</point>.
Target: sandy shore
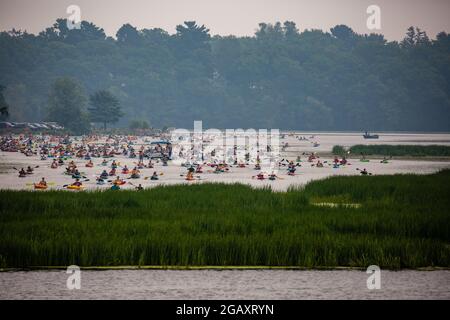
<point>172,174</point>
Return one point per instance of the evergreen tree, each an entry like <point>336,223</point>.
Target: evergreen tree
<point>104,108</point>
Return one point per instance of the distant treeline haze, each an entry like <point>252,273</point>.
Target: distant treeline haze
<point>279,78</point>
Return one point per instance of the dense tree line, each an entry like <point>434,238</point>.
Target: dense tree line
<point>279,78</point>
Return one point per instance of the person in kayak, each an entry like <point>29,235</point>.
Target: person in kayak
<point>319,164</point>
<point>364,172</point>
<point>77,183</point>
<point>54,164</point>
<point>42,183</point>
<point>154,176</point>
<point>150,164</point>
<point>135,173</point>
<point>90,164</point>
<point>273,176</point>
<point>112,172</point>
<point>260,176</point>
<point>22,173</point>
<point>29,170</point>
<point>139,187</point>
<point>291,170</point>
<point>76,174</point>
<point>125,170</point>
<point>140,164</point>
<point>104,175</point>
<point>118,181</point>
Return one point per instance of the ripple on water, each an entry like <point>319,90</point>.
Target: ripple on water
<point>227,284</point>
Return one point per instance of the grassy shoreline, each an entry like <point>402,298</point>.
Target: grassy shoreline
<point>384,150</point>
<point>401,222</point>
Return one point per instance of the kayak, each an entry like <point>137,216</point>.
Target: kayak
<point>75,187</point>
<point>40,186</point>
<point>364,160</point>
<point>119,183</point>
<point>135,176</point>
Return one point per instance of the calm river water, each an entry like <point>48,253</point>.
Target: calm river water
<point>229,284</point>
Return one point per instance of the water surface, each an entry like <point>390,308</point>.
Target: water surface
<point>227,284</point>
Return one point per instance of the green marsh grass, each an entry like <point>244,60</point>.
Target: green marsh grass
<point>403,221</point>
<point>400,150</point>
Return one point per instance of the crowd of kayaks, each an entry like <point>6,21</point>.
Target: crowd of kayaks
<point>61,153</point>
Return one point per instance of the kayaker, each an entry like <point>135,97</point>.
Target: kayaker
<point>273,176</point>
<point>139,187</point>
<point>135,173</point>
<point>118,181</point>
<point>104,174</point>
<point>76,174</point>
<point>29,170</point>
<point>77,183</point>
<point>42,183</point>
<point>22,173</point>
<point>140,165</point>
<point>260,176</point>
<point>90,164</point>
<point>291,170</point>
<point>112,172</point>
<point>364,172</point>
<point>54,164</point>
<point>154,176</point>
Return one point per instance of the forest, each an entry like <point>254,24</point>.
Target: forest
<point>278,78</point>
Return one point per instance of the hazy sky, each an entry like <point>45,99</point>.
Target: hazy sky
<point>238,17</point>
